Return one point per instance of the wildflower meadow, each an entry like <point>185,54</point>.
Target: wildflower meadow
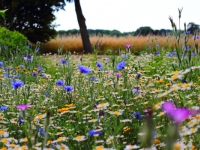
<point>101,102</point>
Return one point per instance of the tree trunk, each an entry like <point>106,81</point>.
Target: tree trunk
<point>83,29</point>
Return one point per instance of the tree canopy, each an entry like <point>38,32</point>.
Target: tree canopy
<point>192,27</point>
<point>33,18</point>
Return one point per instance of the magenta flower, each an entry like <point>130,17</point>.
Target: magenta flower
<point>177,114</point>
<point>128,46</point>
<point>118,74</point>
<point>23,107</point>
<point>168,107</point>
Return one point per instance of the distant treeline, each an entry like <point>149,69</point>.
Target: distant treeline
<point>140,31</point>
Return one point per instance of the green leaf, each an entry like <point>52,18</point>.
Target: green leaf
<point>2,13</point>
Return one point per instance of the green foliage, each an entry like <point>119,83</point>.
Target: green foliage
<point>2,13</point>
<point>33,18</point>
<point>141,31</point>
<point>192,27</point>
<point>10,41</point>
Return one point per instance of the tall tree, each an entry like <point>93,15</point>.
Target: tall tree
<point>33,18</point>
<point>192,27</point>
<point>83,29</point>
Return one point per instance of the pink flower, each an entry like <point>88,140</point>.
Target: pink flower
<point>128,46</point>
<point>118,74</point>
<point>168,107</point>
<point>177,114</point>
<point>23,107</point>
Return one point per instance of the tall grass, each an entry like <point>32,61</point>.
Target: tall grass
<point>73,43</point>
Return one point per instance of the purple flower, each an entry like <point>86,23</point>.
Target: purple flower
<point>99,65</point>
<point>149,45</point>
<point>174,53</point>
<point>118,74</point>
<point>177,114</point>
<point>63,61</point>
<point>93,79</point>
<point>194,54</point>
<point>137,115</point>
<point>68,88</point>
<point>169,54</point>
<point>34,74</point>
<point>92,132</point>
<point>28,58</point>
<point>188,32</point>
<point>23,107</point>
<point>157,45</point>
<point>3,107</point>
<point>128,46</point>
<point>16,83</point>
<point>121,65</point>
<point>168,107</point>
<point>136,90</point>
<point>84,69</point>
<point>157,52</point>
<point>60,83</point>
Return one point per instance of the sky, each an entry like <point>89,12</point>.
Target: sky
<point>129,15</point>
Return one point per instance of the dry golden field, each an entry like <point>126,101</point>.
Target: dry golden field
<point>74,43</point>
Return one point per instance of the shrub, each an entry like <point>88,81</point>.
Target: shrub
<point>11,42</point>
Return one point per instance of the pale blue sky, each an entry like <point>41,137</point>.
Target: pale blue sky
<point>129,15</point>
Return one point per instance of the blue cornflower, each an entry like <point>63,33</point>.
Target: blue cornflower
<point>138,76</point>
<point>184,81</point>
<point>63,61</point>
<point>41,131</point>
<point>40,68</point>
<point>84,69</point>
<point>46,94</point>
<point>60,83</point>
<point>21,66</point>
<point>3,107</point>
<point>125,56</point>
<point>99,65</point>
<point>188,32</point>
<point>93,132</point>
<point>187,47</point>
<point>157,45</point>
<point>101,113</point>
<point>197,37</point>
<point>21,121</point>
<point>34,74</point>
<point>93,79</point>
<point>121,65</point>
<point>1,63</point>
<point>137,115</point>
<point>15,76</point>
<point>16,83</point>
<point>194,54</point>
<point>42,75</point>
<point>95,105</point>
<point>136,90</point>
<point>107,59</point>
<point>68,88</point>
<point>169,54</point>
<point>38,49</point>
<point>174,53</point>
<point>157,52</point>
